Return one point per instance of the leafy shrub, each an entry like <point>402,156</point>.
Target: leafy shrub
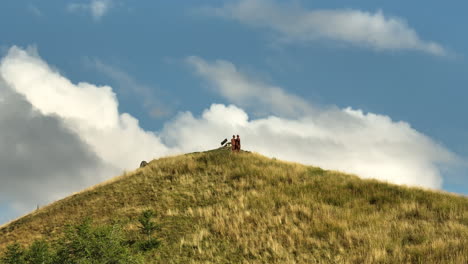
<point>147,225</point>
<point>149,244</point>
<point>147,228</point>
<point>38,253</point>
<point>14,254</point>
<point>85,244</point>
<point>94,245</point>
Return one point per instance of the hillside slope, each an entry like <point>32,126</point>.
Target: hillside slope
<point>219,207</point>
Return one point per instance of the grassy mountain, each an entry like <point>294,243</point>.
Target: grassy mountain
<point>219,207</point>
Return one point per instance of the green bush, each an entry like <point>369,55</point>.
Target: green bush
<point>38,253</point>
<point>147,225</point>
<point>14,254</point>
<point>148,244</point>
<point>147,228</point>
<point>84,244</point>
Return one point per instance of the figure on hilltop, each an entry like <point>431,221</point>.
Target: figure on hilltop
<point>233,143</point>
<point>238,143</point>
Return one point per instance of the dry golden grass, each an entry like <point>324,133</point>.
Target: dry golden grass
<point>219,207</point>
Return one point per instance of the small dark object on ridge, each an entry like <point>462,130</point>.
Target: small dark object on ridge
<point>224,142</point>
<point>143,164</point>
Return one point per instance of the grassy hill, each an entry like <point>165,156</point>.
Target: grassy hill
<point>219,207</point>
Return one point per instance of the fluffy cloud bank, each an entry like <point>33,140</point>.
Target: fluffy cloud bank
<point>40,158</point>
<point>356,27</point>
<point>57,136</point>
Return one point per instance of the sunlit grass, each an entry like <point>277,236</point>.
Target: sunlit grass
<point>219,207</point>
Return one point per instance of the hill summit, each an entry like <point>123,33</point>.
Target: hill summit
<point>223,207</point>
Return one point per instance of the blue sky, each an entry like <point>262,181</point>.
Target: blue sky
<point>142,49</point>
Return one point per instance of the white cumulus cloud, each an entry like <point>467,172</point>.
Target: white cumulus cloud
<point>97,8</point>
<point>41,159</point>
<point>88,110</point>
<point>62,136</point>
<point>297,24</point>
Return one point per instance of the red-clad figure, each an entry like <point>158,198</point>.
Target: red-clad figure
<point>238,143</point>
<point>233,143</point>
